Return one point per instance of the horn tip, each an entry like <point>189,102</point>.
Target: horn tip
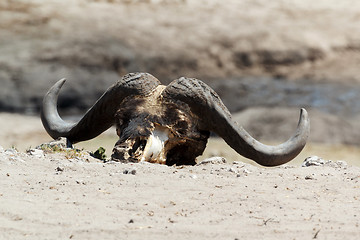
<point>304,120</point>
<point>58,85</point>
<point>62,81</point>
<point>303,113</point>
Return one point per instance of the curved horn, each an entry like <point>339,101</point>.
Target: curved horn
<point>52,122</point>
<point>206,104</point>
<point>100,116</point>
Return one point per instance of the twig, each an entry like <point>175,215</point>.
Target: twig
<point>267,220</point>
<point>316,234</point>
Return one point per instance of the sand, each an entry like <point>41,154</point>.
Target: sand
<point>61,196</point>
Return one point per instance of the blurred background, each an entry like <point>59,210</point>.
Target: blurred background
<point>266,60</point>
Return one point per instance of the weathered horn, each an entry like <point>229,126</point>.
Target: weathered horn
<point>100,116</point>
<point>206,104</point>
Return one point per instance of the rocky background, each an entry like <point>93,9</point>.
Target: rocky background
<point>265,59</point>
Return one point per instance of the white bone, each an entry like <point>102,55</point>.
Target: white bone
<point>154,149</point>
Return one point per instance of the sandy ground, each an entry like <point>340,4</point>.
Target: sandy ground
<point>61,197</point>
<point>74,196</point>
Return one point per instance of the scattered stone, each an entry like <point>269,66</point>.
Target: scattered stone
<point>337,164</point>
<point>59,169</point>
<point>313,161</point>
<point>310,177</point>
<point>232,170</point>
<point>36,152</point>
<point>13,155</point>
<point>11,151</point>
<point>238,163</point>
<point>318,161</point>
<point>130,171</point>
<point>213,160</point>
<point>246,171</point>
<point>80,182</point>
<point>341,164</point>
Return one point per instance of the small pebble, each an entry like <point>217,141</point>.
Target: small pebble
<point>213,160</point>
<point>59,169</point>
<point>36,153</point>
<point>11,151</point>
<point>309,177</point>
<point>313,161</point>
<point>130,171</point>
<point>246,171</point>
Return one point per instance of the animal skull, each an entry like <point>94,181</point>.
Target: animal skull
<point>166,124</point>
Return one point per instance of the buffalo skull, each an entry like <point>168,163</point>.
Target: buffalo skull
<point>166,124</point>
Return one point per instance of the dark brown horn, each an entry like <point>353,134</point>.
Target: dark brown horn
<point>100,116</point>
<point>206,104</point>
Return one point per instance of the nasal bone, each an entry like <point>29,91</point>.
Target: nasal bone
<point>154,149</point>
